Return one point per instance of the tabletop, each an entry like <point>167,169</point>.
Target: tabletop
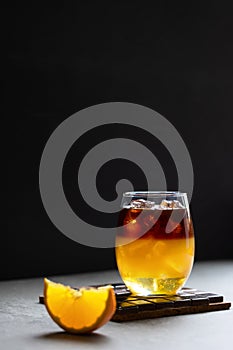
<point>25,324</point>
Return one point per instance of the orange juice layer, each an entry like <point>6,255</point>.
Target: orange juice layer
<point>155,266</point>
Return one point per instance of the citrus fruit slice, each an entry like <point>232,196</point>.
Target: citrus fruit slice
<point>79,311</point>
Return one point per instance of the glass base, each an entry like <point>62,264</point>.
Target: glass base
<point>154,286</point>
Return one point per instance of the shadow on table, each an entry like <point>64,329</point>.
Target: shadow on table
<point>92,338</point>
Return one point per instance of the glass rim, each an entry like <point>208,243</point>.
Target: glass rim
<point>154,194</point>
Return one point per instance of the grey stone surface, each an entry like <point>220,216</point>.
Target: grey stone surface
<point>25,324</point>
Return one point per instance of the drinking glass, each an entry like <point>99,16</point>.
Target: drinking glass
<point>155,242</point>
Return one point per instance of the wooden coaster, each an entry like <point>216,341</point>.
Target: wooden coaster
<point>188,301</point>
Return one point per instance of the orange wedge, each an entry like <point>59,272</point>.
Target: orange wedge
<point>79,311</point>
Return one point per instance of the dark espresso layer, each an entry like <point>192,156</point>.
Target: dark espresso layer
<point>156,223</point>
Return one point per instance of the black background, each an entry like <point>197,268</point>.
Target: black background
<point>176,59</point>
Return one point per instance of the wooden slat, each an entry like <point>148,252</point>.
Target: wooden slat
<point>175,311</point>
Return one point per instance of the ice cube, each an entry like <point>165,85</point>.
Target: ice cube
<point>150,220</point>
<point>174,204</point>
<point>141,204</point>
<point>175,264</point>
<point>159,248</point>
